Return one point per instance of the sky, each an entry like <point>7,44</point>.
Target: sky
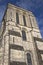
<point>36,6</point>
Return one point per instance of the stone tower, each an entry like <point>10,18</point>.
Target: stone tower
<point>20,39</point>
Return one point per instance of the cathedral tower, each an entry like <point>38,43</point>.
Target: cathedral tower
<point>20,39</point>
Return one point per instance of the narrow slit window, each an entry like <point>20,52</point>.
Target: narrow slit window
<point>13,39</point>
<point>0,43</point>
<point>23,35</point>
<point>17,18</point>
<point>24,20</point>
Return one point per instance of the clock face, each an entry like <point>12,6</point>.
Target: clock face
<point>16,54</point>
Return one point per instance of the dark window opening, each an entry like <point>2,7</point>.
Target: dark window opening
<point>24,20</point>
<point>4,25</point>
<point>17,63</point>
<point>17,18</point>
<point>13,39</point>
<point>17,47</point>
<point>29,59</point>
<point>14,33</point>
<point>39,52</point>
<point>0,42</point>
<point>23,35</point>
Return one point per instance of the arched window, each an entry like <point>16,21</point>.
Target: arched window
<point>29,59</point>
<point>23,35</point>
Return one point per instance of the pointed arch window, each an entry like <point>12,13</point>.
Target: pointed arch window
<point>29,59</point>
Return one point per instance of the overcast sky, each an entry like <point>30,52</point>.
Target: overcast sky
<point>36,6</point>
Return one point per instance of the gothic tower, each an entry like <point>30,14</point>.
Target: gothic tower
<point>20,39</point>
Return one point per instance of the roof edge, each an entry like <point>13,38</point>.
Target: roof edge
<point>12,5</point>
